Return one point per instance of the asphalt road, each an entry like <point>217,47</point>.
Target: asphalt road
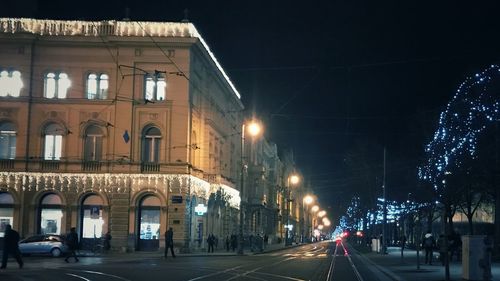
<point>320,261</point>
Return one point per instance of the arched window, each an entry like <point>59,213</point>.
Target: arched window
<point>151,145</point>
<point>149,223</point>
<point>6,211</point>
<point>92,220</point>
<point>93,143</point>
<point>56,85</point>
<point>155,87</point>
<point>97,86</point>
<point>7,141</point>
<point>10,83</point>
<point>53,134</point>
<point>50,214</point>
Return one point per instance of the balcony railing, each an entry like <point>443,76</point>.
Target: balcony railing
<point>49,165</point>
<point>150,167</point>
<point>6,164</point>
<point>91,166</point>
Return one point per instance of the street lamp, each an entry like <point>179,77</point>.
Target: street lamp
<point>292,180</point>
<point>254,128</point>
<point>308,200</point>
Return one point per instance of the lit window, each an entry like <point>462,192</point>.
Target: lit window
<point>53,142</point>
<point>97,86</point>
<point>151,145</point>
<point>7,141</point>
<point>93,144</point>
<point>50,214</point>
<point>56,85</point>
<point>10,83</point>
<point>155,87</point>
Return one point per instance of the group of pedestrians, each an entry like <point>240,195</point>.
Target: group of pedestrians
<point>453,249</point>
<point>72,242</point>
<point>231,242</point>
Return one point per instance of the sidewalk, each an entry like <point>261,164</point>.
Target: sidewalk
<point>197,253</point>
<point>397,268</point>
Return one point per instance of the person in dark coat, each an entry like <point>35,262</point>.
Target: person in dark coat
<point>72,243</point>
<point>211,242</point>
<point>11,247</point>
<point>169,242</point>
<point>234,241</point>
<point>107,241</point>
<point>428,243</point>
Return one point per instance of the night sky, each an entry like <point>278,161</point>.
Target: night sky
<point>328,77</point>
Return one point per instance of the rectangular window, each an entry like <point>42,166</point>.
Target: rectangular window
<point>150,224</point>
<point>7,145</point>
<point>92,225</point>
<point>51,221</point>
<point>53,147</point>
<point>93,148</point>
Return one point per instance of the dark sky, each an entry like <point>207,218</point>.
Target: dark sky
<point>327,75</point>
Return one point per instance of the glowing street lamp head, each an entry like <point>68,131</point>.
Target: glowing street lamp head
<point>315,208</point>
<point>321,213</point>
<point>320,227</point>
<point>294,179</point>
<point>254,128</point>
<point>308,199</point>
<point>326,222</point>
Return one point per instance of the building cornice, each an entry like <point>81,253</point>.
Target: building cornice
<point>44,27</point>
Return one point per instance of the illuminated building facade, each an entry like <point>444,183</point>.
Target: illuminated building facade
<point>116,126</point>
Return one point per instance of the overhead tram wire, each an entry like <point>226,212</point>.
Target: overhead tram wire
<point>183,74</point>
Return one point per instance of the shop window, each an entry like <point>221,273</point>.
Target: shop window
<point>53,135</point>
<point>93,144</point>
<point>155,87</point>
<point>50,214</point>
<point>150,218</point>
<point>56,85</point>
<point>151,145</point>
<point>7,141</point>
<point>92,220</point>
<point>10,83</point>
<point>97,86</point>
<point>6,211</point>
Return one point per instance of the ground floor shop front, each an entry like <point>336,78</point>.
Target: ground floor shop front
<point>136,209</point>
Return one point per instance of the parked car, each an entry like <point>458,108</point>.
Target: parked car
<point>43,244</point>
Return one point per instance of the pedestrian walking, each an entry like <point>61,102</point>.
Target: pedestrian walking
<point>228,243</point>
<point>234,241</point>
<point>107,241</point>
<point>441,248</point>
<point>169,242</point>
<point>11,247</point>
<point>428,243</point>
<point>72,243</point>
<point>211,242</point>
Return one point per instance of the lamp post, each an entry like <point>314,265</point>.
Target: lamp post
<point>254,129</point>
<point>308,199</point>
<point>314,210</point>
<point>292,180</point>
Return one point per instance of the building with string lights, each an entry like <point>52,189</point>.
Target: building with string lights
<point>119,126</point>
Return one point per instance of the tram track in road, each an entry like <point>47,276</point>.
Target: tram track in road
<point>255,269</point>
<point>345,253</point>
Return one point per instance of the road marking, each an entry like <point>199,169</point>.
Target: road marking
<point>215,273</point>
<point>105,274</point>
<point>280,276</point>
<point>78,276</point>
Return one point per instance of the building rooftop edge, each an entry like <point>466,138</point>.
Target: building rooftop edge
<point>47,27</point>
